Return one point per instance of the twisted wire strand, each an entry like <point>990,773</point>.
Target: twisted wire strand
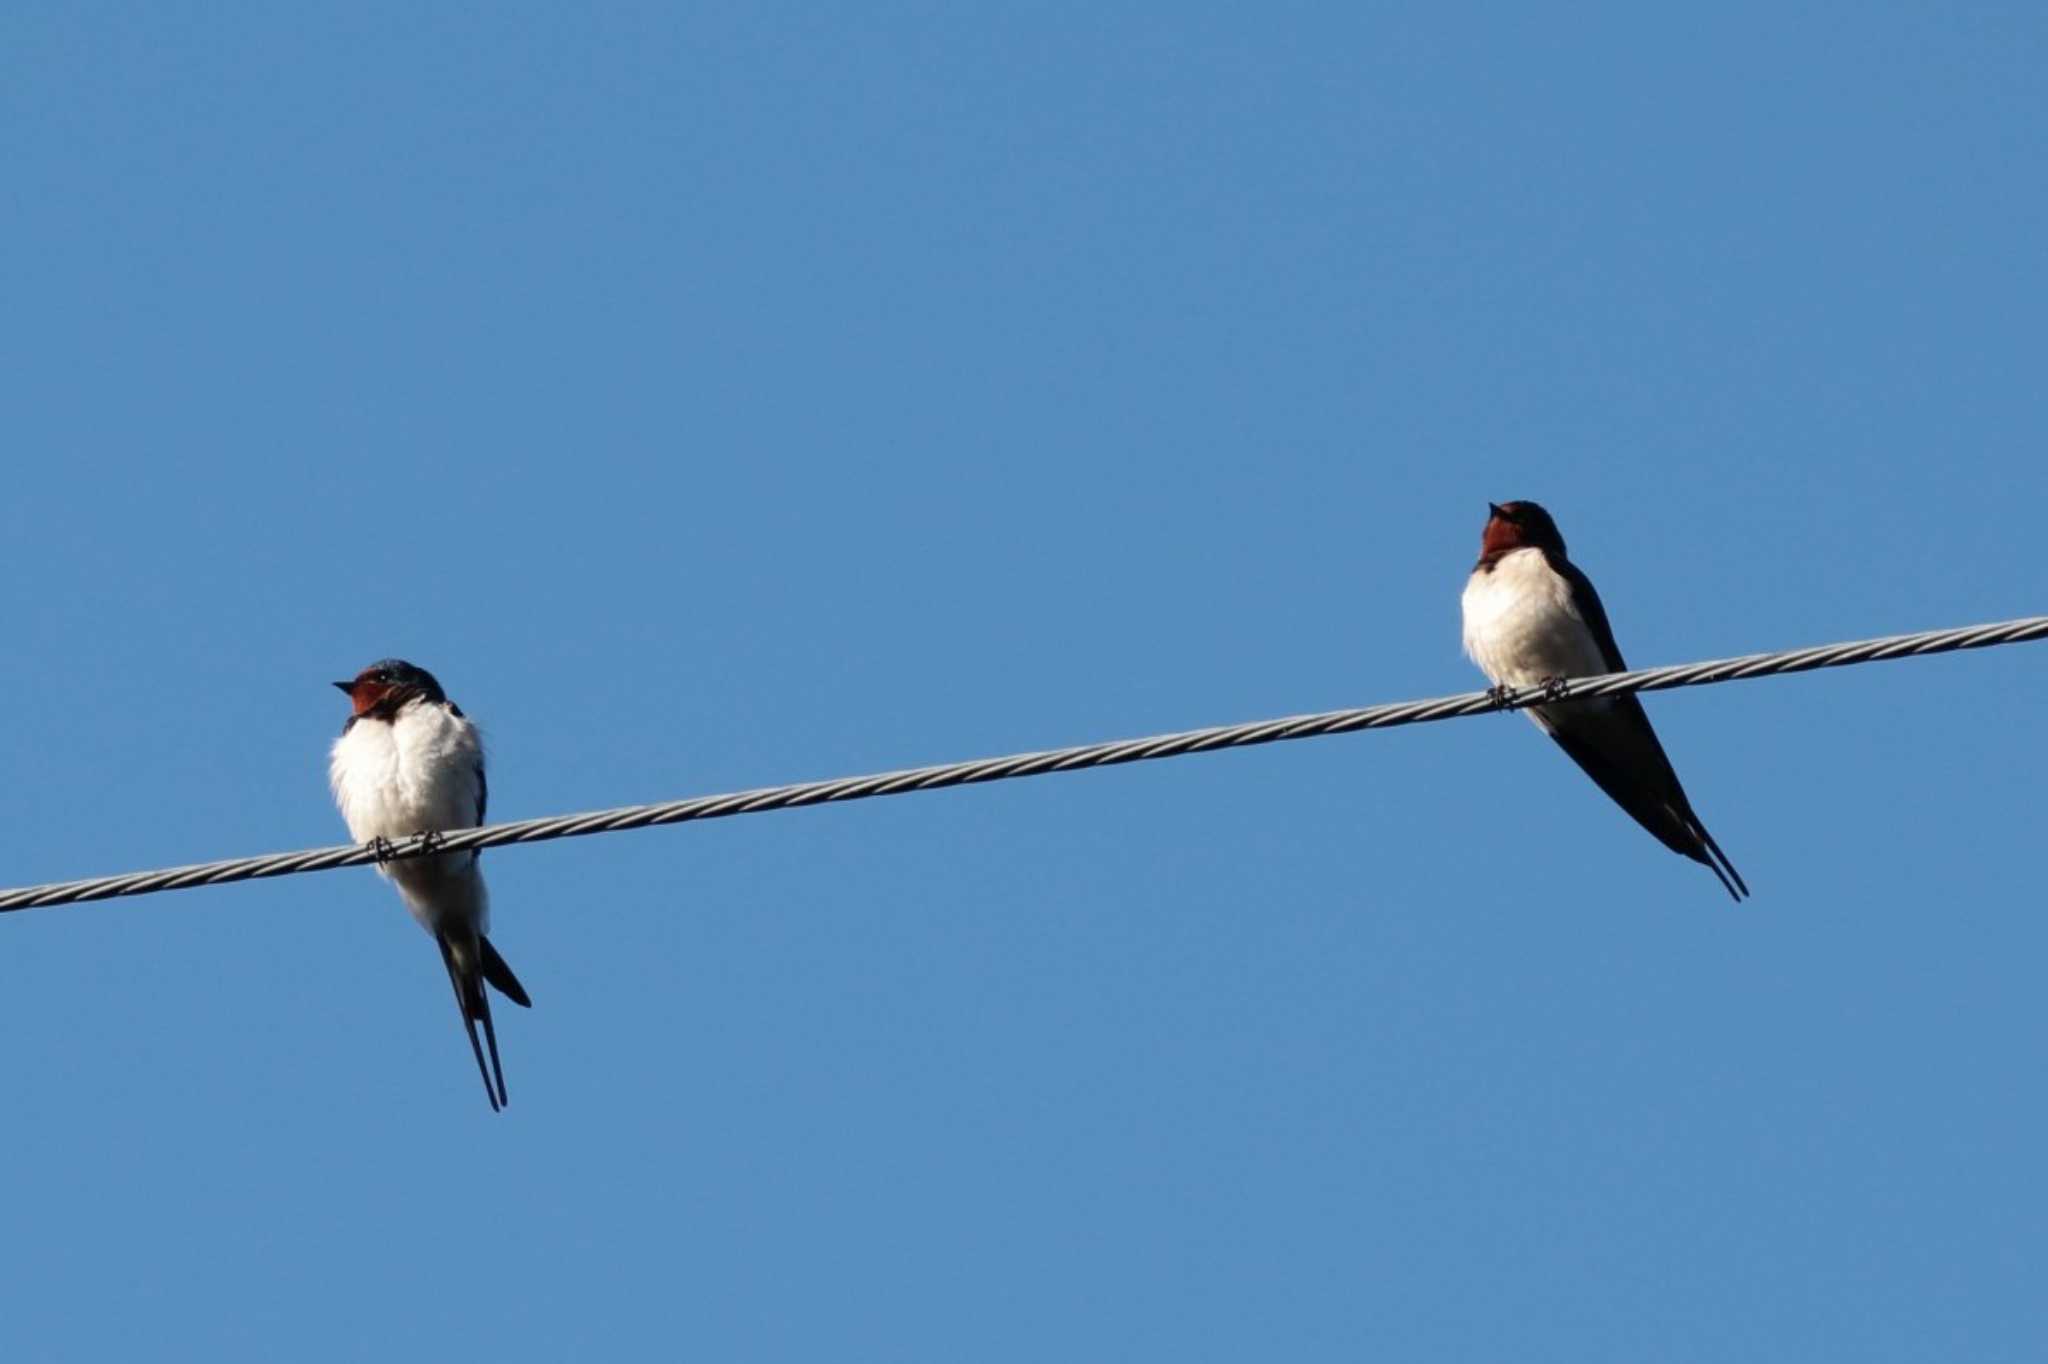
<point>1108,754</point>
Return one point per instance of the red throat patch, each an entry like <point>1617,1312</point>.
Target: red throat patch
<point>367,694</point>
<point>1500,536</point>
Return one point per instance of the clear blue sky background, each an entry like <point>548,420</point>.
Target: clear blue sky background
<point>729,394</point>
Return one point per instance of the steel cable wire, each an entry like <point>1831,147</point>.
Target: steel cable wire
<point>1106,754</point>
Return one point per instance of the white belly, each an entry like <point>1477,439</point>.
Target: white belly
<point>1521,627</point>
<point>416,773</point>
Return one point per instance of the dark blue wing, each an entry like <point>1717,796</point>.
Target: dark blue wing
<point>1590,611</point>
<point>483,800</point>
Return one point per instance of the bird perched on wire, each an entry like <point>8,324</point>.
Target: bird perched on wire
<point>1533,619</point>
<point>409,762</point>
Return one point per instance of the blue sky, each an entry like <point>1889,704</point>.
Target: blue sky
<point>730,394</point>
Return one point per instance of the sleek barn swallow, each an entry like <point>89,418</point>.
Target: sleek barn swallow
<point>409,762</point>
<point>1532,618</point>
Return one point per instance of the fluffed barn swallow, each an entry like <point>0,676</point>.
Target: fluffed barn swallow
<point>1531,618</point>
<point>409,762</point>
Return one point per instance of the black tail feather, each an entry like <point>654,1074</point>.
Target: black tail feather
<point>1723,868</point>
<point>483,1004</point>
<point>500,975</point>
<point>475,1007</point>
<point>1620,752</point>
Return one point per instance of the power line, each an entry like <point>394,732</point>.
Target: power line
<point>1035,764</point>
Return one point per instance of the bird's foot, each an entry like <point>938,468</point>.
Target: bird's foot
<point>430,839</point>
<point>1553,688</point>
<point>1499,693</point>
<point>380,849</point>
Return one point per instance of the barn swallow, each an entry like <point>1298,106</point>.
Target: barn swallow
<point>1532,618</point>
<point>409,762</point>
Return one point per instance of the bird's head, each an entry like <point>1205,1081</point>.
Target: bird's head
<point>386,686</point>
<point>1519,525</point>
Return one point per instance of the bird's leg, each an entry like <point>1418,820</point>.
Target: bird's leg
<point>1553,688</point>
<point>1499,693</point>
<point>380,849</point>
<point>430,839</point>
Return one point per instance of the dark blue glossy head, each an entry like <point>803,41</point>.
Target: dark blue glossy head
<point>1519,525</point>
<point>384,687</point>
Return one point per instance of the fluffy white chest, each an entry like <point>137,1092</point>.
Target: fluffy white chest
<point>422,770</point>
<point>1521,627</point>
<point>419,771</point>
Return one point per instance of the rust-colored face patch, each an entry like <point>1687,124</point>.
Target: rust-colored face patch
<point>1518,525</point>
<point>366,694</point>
<point>366,691</point>
<point>1500,536</point>
<point>385,688</point>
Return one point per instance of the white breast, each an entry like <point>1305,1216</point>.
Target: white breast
<point>398,778</point>
<point>1521,627</point>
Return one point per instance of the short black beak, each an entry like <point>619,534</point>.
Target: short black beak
<point>348,687</point>
<point>1492,510</point>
